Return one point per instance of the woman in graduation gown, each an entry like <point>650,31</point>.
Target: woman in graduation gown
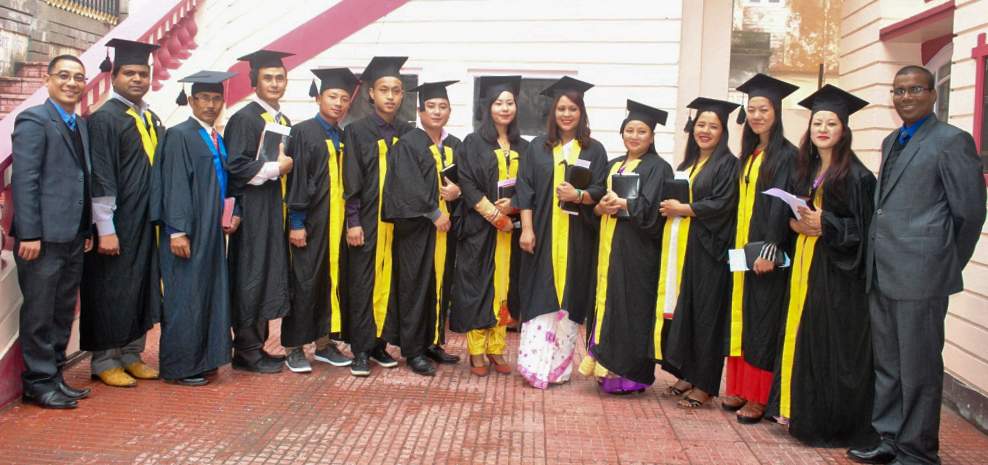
<point>823,385</point>
<point>628,261</point>
<point>557,270</point>
<point>758,296</point>
<point>486,248</point>
<point>692,344</point>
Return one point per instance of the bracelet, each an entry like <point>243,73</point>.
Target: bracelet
<point>579,196</point>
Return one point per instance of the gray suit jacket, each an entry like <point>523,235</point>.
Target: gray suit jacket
<point>47,180</point>
<point>928,218</point>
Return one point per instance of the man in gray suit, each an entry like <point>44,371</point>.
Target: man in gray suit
<point>53,227</point>
<point>929,209</point>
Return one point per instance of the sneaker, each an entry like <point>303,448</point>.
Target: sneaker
<point>360,365</point>
<point>381,357</point>
<point>297,363</point>
<point>332,355</point>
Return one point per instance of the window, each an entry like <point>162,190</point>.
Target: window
<point>408,111</point>
<point>533,109</point>
<point>939,65</point>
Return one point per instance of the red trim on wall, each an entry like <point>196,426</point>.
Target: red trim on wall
<point>916,22</point>
<point>11,366</point>
<point>314,37</point>
<point>932,46</point>
<point>980,54</point>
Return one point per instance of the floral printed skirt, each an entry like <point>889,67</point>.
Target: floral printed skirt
<point>545,354</point>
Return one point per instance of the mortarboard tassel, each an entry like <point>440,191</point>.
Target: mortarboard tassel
<point>182,99</point>
<point>313,90</point>
<point>689,124</point>
<point>106,65</point>
<point>742,116</point>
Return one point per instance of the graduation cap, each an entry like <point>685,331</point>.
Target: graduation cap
<point>566,84</point>
<point>835,99</point>
<point>763,85</point>
<point>721,108</point>
<point>127,52</point>
<point>431,90</point>
<point>263,59</point>
<point>380,67</point>
<point>492,86</point>
<point>333,78</point>
<point>646,114</point>
<point>203,81</point>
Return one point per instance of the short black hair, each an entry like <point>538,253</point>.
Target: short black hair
<point>54,61</point>
<point>916,69</point>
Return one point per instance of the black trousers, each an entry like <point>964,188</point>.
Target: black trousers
<point>908,337</point>
<point>248,341</point>
<point>50,287</point>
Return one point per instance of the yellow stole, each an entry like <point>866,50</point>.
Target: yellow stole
<point>746,206</point>
<point>149,138</point>
<point>336,219</point>
<point>675,236</point>
<point>385,240</point>
<point>284,179</point>
<point>798,285</point>
<point>608,224</point>
<point>560,219</point>
<point>439,257</point>
<point>506,169</point>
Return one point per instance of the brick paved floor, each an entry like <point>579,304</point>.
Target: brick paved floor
<point>396,417</point>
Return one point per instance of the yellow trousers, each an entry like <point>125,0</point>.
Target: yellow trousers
<point>487,341</point>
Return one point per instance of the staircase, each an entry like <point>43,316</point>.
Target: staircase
<point>16,89</point>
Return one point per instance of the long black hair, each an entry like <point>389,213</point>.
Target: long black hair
<point>487,129</point>
<point>693,149</point>
<point>775,151</point>
<point>808,160</point>
<point>554,134</point>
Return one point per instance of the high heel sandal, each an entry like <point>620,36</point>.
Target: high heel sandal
<point>500,368</point>
<point>475,370</point>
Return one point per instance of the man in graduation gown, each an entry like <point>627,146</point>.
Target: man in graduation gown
<point>316,217</point>
<point>369,259</point>
<point>258,250</point>
<point>190,204</point>
<point>417,199</point>
<point>121,286</point>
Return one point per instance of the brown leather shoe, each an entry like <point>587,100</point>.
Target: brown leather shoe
<point>477,366</point>
<point>116,377</point>
<point>500,365</point>
<point>140,370</point>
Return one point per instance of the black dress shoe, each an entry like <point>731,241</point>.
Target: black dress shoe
<point>71,392</point>
<point>262,365</point>
<point>360,365</point>
<point>440,355</point>
<point>421,366</point>
<point>882,453</point>
<point>197,380</point>
<point>53,399</point>
<point>276,358</point>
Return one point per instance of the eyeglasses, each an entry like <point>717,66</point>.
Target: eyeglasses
<point>65,77</point>
<point>914,90</point>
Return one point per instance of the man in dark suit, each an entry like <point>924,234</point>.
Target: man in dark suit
<point>929,209</point>
<point>52,227</point>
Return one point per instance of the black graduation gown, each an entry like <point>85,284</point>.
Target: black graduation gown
<point>258,256</point>
<point>120,296</point>
<point>411,193</point>
<point>824,381</point>
<point>695,343</point>
<point>536,190</point>
<point>369,268</point>
<point>474,305</point>
<point>186,196</point>
<point>628,276</point>
<point>758,304</point>
<point>315,187</point>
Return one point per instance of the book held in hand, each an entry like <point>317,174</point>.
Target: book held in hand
<point>744,259</point>
<point>228,204</point>
<point>678,189</point>
<point>506,189</point>
<point>625,186</point>
<point>273,136</point>
<point>452,173</point>
<point>579,176</point>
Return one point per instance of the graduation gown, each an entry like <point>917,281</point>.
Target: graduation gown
<point>627,275</point>
<point>758,301</point>
<point>187,196</point>
<point>824,380</point>
<point>421,252</point>
<point>370,267</point>
<point>694,346</point>
<point>315,188</point>
<point>259,248</point>
<point>486,277</point>
<point>120,296</point>
<point>560,274</point>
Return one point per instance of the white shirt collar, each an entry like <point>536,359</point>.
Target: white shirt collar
<point>140,109</point>
<point>267,108</point>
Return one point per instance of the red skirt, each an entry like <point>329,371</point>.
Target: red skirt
<point>747,382</point>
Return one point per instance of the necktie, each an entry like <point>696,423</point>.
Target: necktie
<point>216,142</point>
<point>70,122</point>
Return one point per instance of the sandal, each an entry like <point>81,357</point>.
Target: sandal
<point>501,367</point>
<point>478,370</point>
<point>732,403</point>
<point>745,416</point>
<point>690,402</point>
<point>673,391</point>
